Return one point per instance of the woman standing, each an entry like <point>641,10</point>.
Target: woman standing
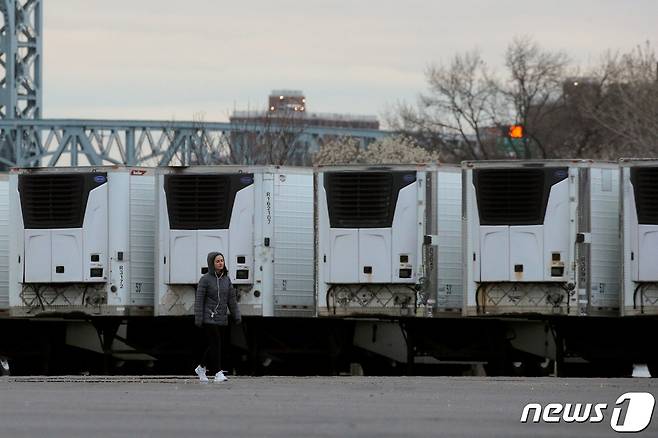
<point>214,298</point>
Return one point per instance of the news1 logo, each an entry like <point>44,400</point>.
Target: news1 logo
<point>632,412</point>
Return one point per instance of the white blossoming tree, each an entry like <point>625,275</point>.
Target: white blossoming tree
<point>388,150</point>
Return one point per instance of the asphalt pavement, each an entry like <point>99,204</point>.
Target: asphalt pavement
<point>311,407</point>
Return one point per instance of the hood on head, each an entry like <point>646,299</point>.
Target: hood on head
<point>211,259</point>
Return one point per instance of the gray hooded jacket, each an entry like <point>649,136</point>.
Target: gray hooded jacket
<point>214,297</point>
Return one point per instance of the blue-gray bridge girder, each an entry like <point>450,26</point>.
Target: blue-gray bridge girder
<point>21,55</point>
<point>74,142</point>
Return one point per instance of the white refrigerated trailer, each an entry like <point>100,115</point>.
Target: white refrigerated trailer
<point>383,291</point>
<point>4,243</point>
<point>81,240</point>
<point>259,217</point>
<point>541,237</point>
<point>370,230</point>
<point>639,233</point>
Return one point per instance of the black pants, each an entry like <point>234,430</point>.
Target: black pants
<point>211,358</point>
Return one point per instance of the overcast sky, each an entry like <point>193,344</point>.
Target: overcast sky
<point>165,59</point>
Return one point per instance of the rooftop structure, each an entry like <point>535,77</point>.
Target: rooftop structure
<point>291,105</point>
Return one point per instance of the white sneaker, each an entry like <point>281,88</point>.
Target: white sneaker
<point>201,372</point>
<point>220,377</point>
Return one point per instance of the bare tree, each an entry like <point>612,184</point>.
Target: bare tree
<point>265,137</point>
<point>198,145</point>
<point>532,89</point>
<point>625,105</point>
<point>255,138</point>
<point>468,105</point>
<point>451,118</point>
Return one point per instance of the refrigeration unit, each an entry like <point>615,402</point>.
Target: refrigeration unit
<point>639,234</point>
<point>370,230</point>
<point>4,243</point>
<point>541,237</point>
<point>81,240</point>
<point>259,218</point>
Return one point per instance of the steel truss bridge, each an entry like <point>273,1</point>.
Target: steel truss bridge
<point>43,142</point>
<point>27,140</point>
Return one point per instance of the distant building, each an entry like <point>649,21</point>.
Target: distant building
<point>291,104</point>
<point>278,134</point>
<point>575,89</point>
<point>287,100</point>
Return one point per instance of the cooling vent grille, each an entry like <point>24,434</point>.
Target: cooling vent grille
<point>56,200</point>
<point>364,199</point>
<point>645,186</point>
<point>514,196</point>
<point>202,202</point>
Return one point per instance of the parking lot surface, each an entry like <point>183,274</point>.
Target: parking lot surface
<point>295,406</point>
